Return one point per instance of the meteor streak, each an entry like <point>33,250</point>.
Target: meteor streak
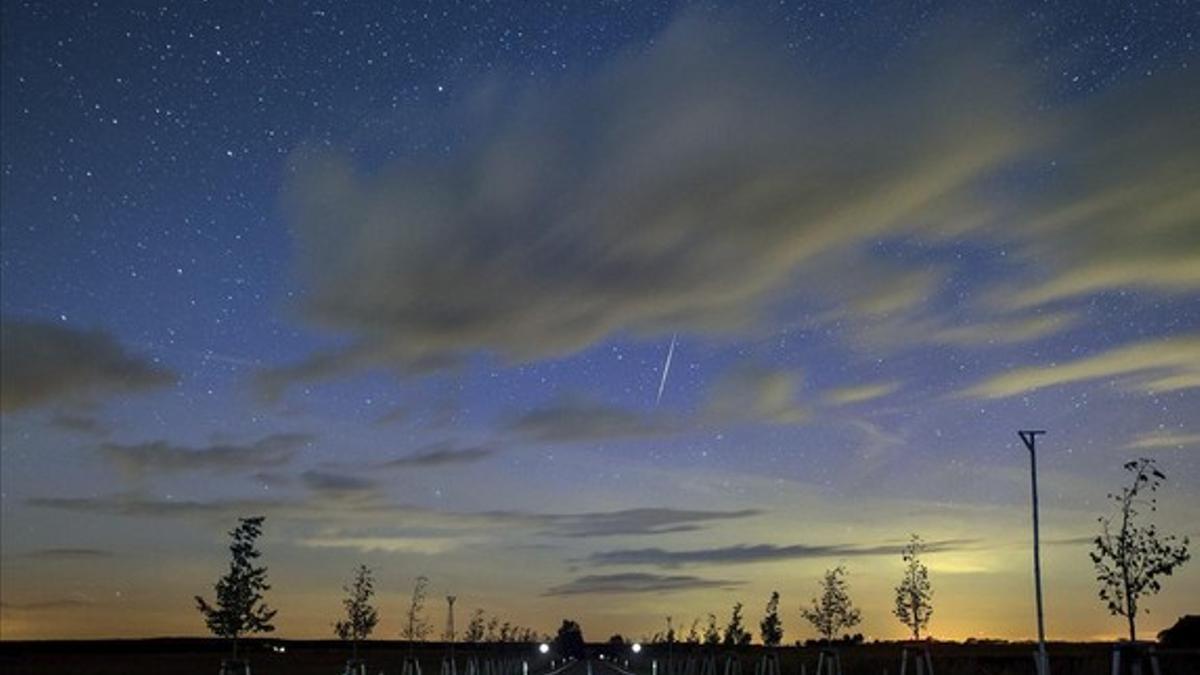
<point>666,370</point>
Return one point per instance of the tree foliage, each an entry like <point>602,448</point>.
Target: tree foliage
<point>1130,558</point>
<point>361,616</point>
<point>239,608</point>
<point>834,612</point>
<point>569,641</point>
<point>416,627</point>
<point>771,628</point>
<point>475,627</point>
<point>914,595</point>
<point>736,634</point>
<point>712,635</point>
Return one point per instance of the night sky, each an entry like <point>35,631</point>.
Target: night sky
<point>405,280</point>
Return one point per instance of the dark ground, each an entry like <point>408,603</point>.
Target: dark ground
<point>319,657</point>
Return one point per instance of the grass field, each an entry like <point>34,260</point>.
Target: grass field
<point>203,657</point>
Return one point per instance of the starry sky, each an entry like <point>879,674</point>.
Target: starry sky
<point>610,310</point>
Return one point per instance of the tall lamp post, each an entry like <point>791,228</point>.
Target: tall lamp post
<point>1029,438</point>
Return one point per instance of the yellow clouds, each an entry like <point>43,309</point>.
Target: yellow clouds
<point>1163,439</point>
<point>1145,362</point>
<point>861,393</point>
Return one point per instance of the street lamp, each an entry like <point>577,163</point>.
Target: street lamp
<point>544,648</point>
<point>637,648</point>
<point>1029,438</point>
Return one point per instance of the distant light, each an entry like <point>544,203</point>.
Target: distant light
<point>637,648</point>
<point>601,657</point>
<point>544,648</point>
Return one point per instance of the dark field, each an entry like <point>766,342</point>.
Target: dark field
<point>203,657</point>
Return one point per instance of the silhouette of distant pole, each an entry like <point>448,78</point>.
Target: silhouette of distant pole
<point>450,626</point>
<point>1029,438</point>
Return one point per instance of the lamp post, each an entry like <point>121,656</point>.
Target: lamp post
<point>1029,438</point>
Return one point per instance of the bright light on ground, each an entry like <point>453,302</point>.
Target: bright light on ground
<point>544,648</point>
<point>637,648</point>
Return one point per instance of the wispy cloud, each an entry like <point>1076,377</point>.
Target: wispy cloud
<point>576,419</point>
<point>1164,438</point>
<point>162,456</point>
<point>44,362</point>
<point>632,198</point>
<point>336,498</point>
<point>87,425</point>
<point>757,553</point>
<point>440,454</point>
<point>861,393</point>
<point>755,393</point>
<point>388,544</point>
<point>49,554</point>
<point>636,582</point>
<point>644,521</point>
<point>1149,361</point>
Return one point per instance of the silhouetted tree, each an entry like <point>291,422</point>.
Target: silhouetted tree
<point>616,640</point>
<point>712,636</point>
<point>834,611</point>
<point>693,635</point>
<point>1130,560</point>
<point>914,595</point>
<point>569,641</point>
<point>492,624</point>
<point>735,633</point>
<point>771,628</point>
<point>361,616</point>
<point>475,630</point>
<point>416,627</point>
<point>239,608</point>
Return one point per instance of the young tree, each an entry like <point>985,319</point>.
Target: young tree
<point>569,641</point>
<point>416,627</point>
<point>475,629</point>
<point>1130,560</point>
<point>712,636</point>
<point>239,608</point>
<point>361,616</point>
<point>914,595</point>
<point>834,612</point>
<point>693,634</point>
<point>771,628</point>
<point>736,634</point>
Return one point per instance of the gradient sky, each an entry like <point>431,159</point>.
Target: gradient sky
<point>404,280</point>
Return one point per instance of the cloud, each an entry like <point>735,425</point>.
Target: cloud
<point>336,498</point>
<point>860,393</point>
<point>643,521</point>
<point>632,201</point>
<point>164,457</point>
<point>744,554</point>
<point>56,554</point>
<point>1120,208</point>
<point>46,362</point>
<point>755,393</point>
<point>1006,330</point>
<point>392,544</point>
<point>73,602</point>
<point>79,424</point>
<point>440,454</point>
<point>1173,357</point>
<point>1164,439</point>
<point>573,419</point>
<point>393,416</point>
<point>338,484</point>
<point>635,582</point>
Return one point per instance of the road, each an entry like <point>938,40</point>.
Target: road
<point>590,667</point>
